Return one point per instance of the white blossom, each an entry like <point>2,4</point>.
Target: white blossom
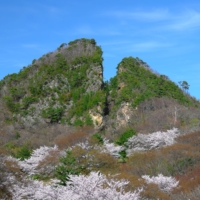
<point>154,140</point>
<point>92,187</point>
<point>112,148</point>
<point>164,183</point>
<point>29,165</point>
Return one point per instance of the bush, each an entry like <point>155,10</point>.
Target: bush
<point>98,137</point>
<point>78,122</point>
<point>88,120</point>
<point>122,156</point>
<point>27,101</point>
<point>12,106</point>
<point>23,153</point>
<point>54,114</point>
<point>125,136</point>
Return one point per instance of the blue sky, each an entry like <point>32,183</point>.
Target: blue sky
<point>163,33</point>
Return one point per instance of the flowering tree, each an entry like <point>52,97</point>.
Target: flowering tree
<point>164,183</point>
<point>29,165</point>
<point>154,140</point>
<point>93,187</point>
<point>112,148</point>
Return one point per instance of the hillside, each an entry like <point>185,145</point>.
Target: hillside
<point>147,101</point>
<point>61,121</point>
<point>59,87</point>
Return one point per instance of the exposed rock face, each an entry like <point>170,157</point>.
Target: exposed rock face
<point>97,119</point>
<point>124,114</point>
<point>95,77</point>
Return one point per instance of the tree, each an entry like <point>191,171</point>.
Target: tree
<point>164,183</point>
<point>95,186</point>
<point>184,85</point>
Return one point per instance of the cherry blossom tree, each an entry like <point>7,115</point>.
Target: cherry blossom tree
<point>154,140</point>
<point>96,186</point>
<point>165,183</point>
<point>29,165</point>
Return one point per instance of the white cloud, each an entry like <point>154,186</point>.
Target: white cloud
<point>151,45</point>
<point>176,21</point>
<point>187,21</point>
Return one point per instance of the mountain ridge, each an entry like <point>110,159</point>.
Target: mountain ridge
<point>66,87</point>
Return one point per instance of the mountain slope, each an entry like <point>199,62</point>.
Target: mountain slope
<point>65,89</point>
<point>61,86</point>
<point>137,95</point>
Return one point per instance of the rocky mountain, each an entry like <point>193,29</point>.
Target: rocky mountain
<point>62,87</point>
<point>65,88</point>
<point>139,125</point>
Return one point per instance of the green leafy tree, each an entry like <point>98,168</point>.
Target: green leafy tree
<point>125,136</point>
<point>67,167</point>
<point>54,114</point>
<point>184,85</point>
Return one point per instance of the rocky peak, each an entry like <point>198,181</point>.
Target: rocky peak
<point>60,87</point>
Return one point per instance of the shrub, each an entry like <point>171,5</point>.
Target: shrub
<point>10,103</point>
<point>23,153</point>
<point>98,137</point>
<point>54,114</point>
<point>125,136</point>
<point>88,120</point>
<point>78,122</point>
<point>27,101</point>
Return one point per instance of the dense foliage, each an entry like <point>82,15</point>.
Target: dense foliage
<point>136,82</point>
<point>125,136</point>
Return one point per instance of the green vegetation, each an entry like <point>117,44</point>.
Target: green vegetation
<point>54,114</point>
<point>98,137</point>
<point>88,120</point>
<point>67,167</point>
<point>78,122</point>
<point>21,152</point>
<point>135,83</point>
<point>125,136</point>
<point>61,86</point>
<point>64,81</point>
